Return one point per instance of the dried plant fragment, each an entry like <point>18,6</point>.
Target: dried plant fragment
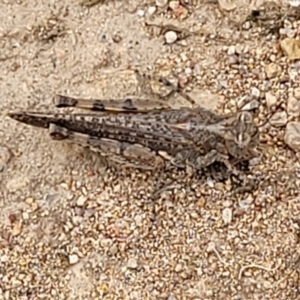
<point>90,3</point>
<point>291,47</point>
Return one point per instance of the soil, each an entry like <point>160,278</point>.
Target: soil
<point>73,229</point>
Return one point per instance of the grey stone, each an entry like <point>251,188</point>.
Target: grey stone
<point>292,135</point>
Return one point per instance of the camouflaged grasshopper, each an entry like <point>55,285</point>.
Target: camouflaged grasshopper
<point>149,134</point>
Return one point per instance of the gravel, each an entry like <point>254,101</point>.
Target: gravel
<point>73,228</point>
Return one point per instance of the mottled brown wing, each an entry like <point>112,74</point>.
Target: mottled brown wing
<point>143,129</point>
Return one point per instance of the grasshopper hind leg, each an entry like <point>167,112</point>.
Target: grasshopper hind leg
<point>127,154</point>
<point>95,104</point>
<point>128,104</point>
<point>88,104</point>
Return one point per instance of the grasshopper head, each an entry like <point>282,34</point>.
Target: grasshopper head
<point>243,136</point>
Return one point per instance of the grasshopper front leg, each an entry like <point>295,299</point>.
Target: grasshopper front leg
<point>213,156</point>
<point>198,161</point>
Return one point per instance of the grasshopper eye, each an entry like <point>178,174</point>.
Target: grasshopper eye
<point>245,117</point>
<point>242,140</point>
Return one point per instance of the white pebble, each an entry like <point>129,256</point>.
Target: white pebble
<point>81,200</point>
<point>73,259</point>
<point>140,13</point>
<point>171,37</point>
<point>279,119</point>
<point>25,215</point>
<point>292,137</point>
<point>161,3</point>
<point>239,48</point>
<point>271,100</point>
<point>227,215</point>
<point>188,71</point>
<point>246,25</point>
<point>178,268</point>
<point>251,105</point>
<point>294,3</point>
<point>151,10</point>
<point>293,107</point>
<point>297,93</point>
<point>231,50</point>
<point>132,263</point>
<point>174,4</point>
<point>255,92</point>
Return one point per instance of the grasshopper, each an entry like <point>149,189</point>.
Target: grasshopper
<point>151,135</point>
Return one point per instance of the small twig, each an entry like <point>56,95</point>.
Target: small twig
<point>253,266</point>
<point>90,3</point>
<point>212,247</point>
<point>175,89</point>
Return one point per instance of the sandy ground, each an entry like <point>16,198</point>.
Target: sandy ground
<point>71,229</point>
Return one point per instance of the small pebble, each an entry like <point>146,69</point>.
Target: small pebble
<point>12,218</point>
<point>293,107</point>
<point>161,3</point>
<point>141,13</point>
<point>73,259</point>
<point>29,200</point>
<point>171,37</point>
<point>294,3</point>
<point>255,92</point>
<point>227,203</point>
<point>116,38</point>
<point>132,263</point>
<point>239,48</point>
<point>151,10</point>
<point>246,25</point>
<point>272,57</point>
<point>201,202</point>
<point>271,100</point>
<point>232,60</point>
<point>5,156</point>
<point>297,93</point>
<point>174,4</point>
<point>178,268</point>
<point>292,136</point>
<point>17,229</point>
<point>114,249</point>
<point>227,5</point>
<point>290,32</point>
<point>251,105</point>
<point>273,70</point>
<point>25,215</point>
<point>279,119</point>
<point>243,101</point>
<point>138,220</point>
<point>227,215</point>
<point>231,50</point>
<point>245,203</point>
<point>16,282</point>
<point>81,200</point>
<point>291,48</point>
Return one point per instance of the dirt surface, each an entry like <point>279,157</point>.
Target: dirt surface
<point>72,229</point>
